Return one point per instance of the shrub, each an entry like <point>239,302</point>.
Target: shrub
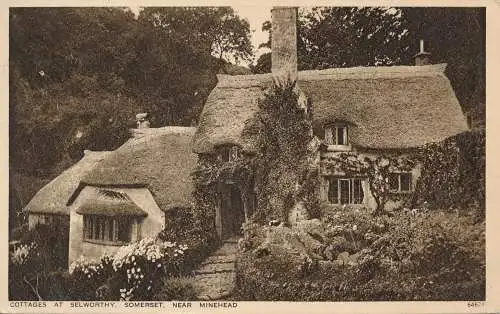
<point>181,225</point>
<point>453,174</point>
<point>40,251</point>
<point>283,135</point>
<point>133,272</point>
<point>52,243</point>
<point>177,288</point>
<point>410,255</point>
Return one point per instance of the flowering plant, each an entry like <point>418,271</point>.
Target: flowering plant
<point>23,253</point>
<point>143,262</point>
<point>133,272</point>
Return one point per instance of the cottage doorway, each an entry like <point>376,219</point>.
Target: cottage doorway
<point>231,212</point>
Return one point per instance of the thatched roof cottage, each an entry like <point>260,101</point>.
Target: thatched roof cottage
<point>125,197</point>
<point>368,110</point>
<point>386,107</point>
<point>113,198</point>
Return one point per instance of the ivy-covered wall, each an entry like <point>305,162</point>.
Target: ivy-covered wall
<point>453,173</point>
<point>397,161</point>
<point>286,179</point>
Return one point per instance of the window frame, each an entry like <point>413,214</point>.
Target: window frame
<point>399,174</point>
<point>228,153</point>
<point>97,229</point>
<point>352,198</point>
<point>331,138</point>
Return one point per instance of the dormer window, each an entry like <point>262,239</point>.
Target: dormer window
<point>336,135</point>
<point>229,153</point>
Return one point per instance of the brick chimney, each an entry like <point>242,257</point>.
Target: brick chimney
<point>423,57</point>
<point>284,43</point>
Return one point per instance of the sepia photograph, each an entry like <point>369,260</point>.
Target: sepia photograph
<point>221,154</point>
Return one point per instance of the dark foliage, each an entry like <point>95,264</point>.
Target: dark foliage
<point>78,76</point>
<point>183,225</point>
<point>283,133</point>
<point>453,174</point>
<point>177,288</point>
<point>409,256</point>
<point>49,254</point>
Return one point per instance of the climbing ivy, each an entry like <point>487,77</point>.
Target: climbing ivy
<point>453,173</point>
<point>212,171</point>
<point>284,176</point>
<point>376,169</point>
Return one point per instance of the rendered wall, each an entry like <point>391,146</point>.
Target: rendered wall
<point>149,227</point>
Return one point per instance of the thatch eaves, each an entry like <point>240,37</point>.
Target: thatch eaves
<point>53,197</point>
<point>388,107</point>
<point>110,208</point>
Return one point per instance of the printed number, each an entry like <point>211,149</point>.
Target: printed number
<point>475,303</point>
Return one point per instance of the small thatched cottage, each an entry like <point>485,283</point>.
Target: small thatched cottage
<point>367,110</point>
<point>113,198</point>
<point>124,198</point>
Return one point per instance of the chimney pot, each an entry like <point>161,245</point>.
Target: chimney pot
<point>142,120</point>
<point>423,57</point>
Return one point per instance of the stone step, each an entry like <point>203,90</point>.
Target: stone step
<point>214,259</point>
<point>215,286</point>
<point>233,240</point>
<point>215,268</point>
<point>226,249</point>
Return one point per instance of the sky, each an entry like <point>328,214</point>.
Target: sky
<point>256,15</point>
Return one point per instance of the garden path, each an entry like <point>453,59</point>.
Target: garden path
<point>215,278</point>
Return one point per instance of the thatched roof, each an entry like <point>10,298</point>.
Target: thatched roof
<point>160,159</point>
<point>388,107</point>
<point>52,198</point>
<point>110,208</point>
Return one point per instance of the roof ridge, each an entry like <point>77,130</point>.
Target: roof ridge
<point>399,71</point>
<point>371,72</point>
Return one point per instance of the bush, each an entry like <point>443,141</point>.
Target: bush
<point>52,241</point>
<point>177,288</point>
<point>181,225</point>
<point>410,255</point>
<point>40,252</point>
<point>453,174</point>
<point>133,273</point>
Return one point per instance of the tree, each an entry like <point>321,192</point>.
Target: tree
<point>329,37</point>
<point>93,69</point>
<point>377,170</point>
<point>456,36</point>
<point>263,64</point>
<point>218,31</point>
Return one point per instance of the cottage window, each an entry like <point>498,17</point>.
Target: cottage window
<point>229,153</point>
<point>117,230</point>
<point>336,135</point>
<point>400,182</point>
<point>345,191</point>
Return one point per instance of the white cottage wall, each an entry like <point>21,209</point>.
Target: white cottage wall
<point>151,225</point>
